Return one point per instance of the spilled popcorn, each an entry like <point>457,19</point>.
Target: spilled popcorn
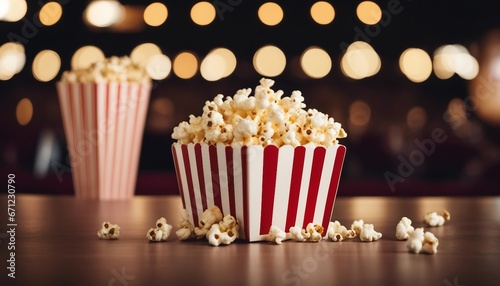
<point>276,235</point>
<point>404,229</point>
<point>266,118</point>
<point>368,233</point>
<point>113,69</point>
<point>420,242</point>
<point>338,232</point>
<point>434,219</point>
<point>186,228</point>
<point>161,232</point>
<point>210,216</point>
<point>225,232</point>
<point>109,231</point>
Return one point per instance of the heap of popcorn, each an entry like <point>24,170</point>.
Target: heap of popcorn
<point>266,118</point>
<point>113,69</point>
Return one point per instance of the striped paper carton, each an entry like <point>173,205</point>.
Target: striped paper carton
<point>104,125</point>
<point>260,186</point>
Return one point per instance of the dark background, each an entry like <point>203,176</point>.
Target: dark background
<point>467,163</point>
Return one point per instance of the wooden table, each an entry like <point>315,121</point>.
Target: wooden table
<point>56,244</point>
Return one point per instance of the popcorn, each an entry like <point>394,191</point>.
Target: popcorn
<point>404,229</point>
<point>315,231</point>
<point>225,232</point>
<point>109,231</point>
<point>433,219</point>
<point>338,232</point>
<point>368,233</point>
<point>357,226</point>
<point>210,216</point>
<point>299,234</point>
<point>263,119</point>
<point>276,235</point>
<point>420,242</point>
<point>114,69</point>
<point>186,228</point>
<point>161,232</point>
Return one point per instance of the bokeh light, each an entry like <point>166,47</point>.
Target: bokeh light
<point>46,65</point>
<point>13,10</point>
<point>203,13</point>
<point>155,14</point>
<point>12,60</point>
<point>359,113</point>
<point>185,65</point>
<point>218,63</point>
<point>270,13</point>
<point>416,64</point>
<point>159,66</point>
<point>229,59</point>
<point>369,12</point>
<point>315,62</point>
<point>50,13</point>
<point>360,61</point>
<point>269,61</point>
<point>104,13</point>
<point>322,12</point>
<point>451,59</point>
<point>24,111</point>
<point>416,118</point>
<point>142,54</point>
<point>85,56</point>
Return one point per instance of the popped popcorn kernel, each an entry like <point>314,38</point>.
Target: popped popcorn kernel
<point>368,233</point>
<point>420,242</point>
<point>435,219</point>
<point>299,234</point>
<point>161,232</point>
<point>338,232</point>
<point>210,216</point>
<point>109,231</point>
<point>186,228</point>
<point>357,226</point>
<point>276,235</point>
<point>315,231</point>
<point>404,229</point>
<point>225,232</point>
<point>266,118</point>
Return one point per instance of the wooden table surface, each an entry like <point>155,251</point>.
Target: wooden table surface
<point>56,244</point>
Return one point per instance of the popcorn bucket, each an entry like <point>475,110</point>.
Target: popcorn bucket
<point>260,186</point>
<point>104,124</point>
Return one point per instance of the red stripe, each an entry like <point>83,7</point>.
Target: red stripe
<point>214,166</point>
<point>230,179</point>
<point>201,177</point>
<point>270,169</point>
<point>334,183</point>
<point>293,200</point>
<point>312,192</point>
<point>245,191</point>
<point>189,178</point>
<point>177,173</point>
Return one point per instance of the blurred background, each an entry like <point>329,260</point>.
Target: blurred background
<point>416,84</point>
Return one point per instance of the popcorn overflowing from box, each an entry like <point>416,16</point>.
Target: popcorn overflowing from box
<point>262,158</point>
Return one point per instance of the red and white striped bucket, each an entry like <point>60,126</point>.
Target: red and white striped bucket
<point>104,125</point>
<point>260,186</point>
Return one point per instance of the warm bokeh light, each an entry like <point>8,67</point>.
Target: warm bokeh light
<point>360,61</point>
<point>50,13</point>
<point>13,10</point>
<point>315,62</point>
<point>142,53</point>
<point>270,13</point>
<point>359,113</point>
<point>369,12</point>
<point>159,66</point>
<point>416,118</point>
<point>451,59</point>
<point>185,65</point>
<point>218,63</point>
<point>322,12</point>
<point>12,60</point>
<point>46,65</point>
<point>85,56</point>
<point>24,111</point>
<point>416,64</point>
<point>155,14</point>
<point>104,13</point>
<point>269,61</point>
<point>203,13</point>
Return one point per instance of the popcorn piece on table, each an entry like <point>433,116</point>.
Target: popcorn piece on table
<point>186,228</point>
<point>434,219</point>
<point>225,232</point>
<point>109,231</point>
<point>430,243</point>
<point>210,216</point>
<point>299,234</point>
<point>276,235</point>
<point>420,242</point>
<point>315,231</point>
<point>357,226</point>
<point>404,229</point>
<point>161,232</point>
<point>368,233</point>
<point>338,232</point>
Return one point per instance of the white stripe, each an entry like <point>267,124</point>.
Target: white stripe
<point>118,146</point>
<point>195,178</point>
<point>238,187</point>
<point>207,173</point>
<point>282,187</point>
<point>255,157</point>
<point>324,184</point>
<point>79,163</point>
<point>223,179</point>
<point>183,182</point>
<point>90,144</point>
<point>110,137</point>
<point>304,185</point>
